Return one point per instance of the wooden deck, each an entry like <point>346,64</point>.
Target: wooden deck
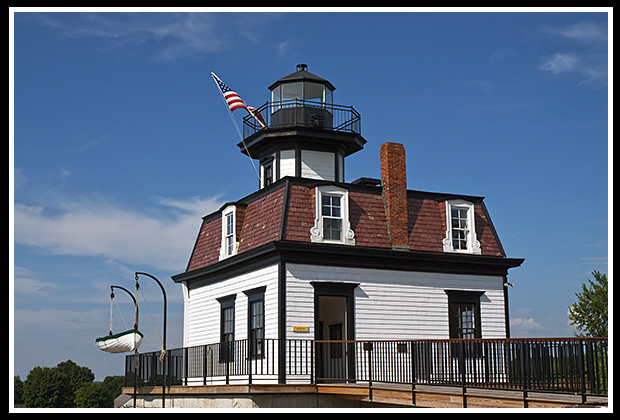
<point>378,395</point>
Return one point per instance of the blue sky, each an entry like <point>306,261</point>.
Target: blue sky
<point>120,143</point>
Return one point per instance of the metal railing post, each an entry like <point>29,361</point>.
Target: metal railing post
<point>368,346</point>
<point>524,373</point>
<point>463,371</point>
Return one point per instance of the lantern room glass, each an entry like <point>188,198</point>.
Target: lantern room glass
<point>290,94</point>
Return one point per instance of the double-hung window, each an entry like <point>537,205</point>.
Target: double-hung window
<point>227,328</point>
<point>460,228</point>
<point>331,210</point>
<point>464,319</point>
<point>332,216</point>
<point>256,321</point>
<point>230,230</point>
<point>229,235</point>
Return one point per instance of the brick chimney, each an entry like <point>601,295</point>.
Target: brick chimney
<point>394,182</point>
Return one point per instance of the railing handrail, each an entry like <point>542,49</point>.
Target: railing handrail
<point>564,365</point>
<point>472,340</point>
<point>341,118</point>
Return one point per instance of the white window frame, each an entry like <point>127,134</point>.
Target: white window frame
<point>316,232</point>
<point>473,245</point>
<point>229,246</point>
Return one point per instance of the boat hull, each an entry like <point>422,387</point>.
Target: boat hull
<point>121,342</point>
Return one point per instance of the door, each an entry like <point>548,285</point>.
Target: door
<point>334,322</point>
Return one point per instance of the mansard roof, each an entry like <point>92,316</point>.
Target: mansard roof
<point>285,212</point>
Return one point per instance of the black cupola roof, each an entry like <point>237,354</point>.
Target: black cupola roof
<point>302,75</point>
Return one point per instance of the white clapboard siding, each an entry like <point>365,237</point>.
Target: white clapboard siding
<point>317,165</point>
<point>202,323</point>
<point>287,163</point>
<point>391,305</point>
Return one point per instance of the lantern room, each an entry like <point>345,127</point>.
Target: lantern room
<point>302,132</point>
<point>304,97</point>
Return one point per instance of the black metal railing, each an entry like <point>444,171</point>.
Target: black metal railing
<point>305,114</point>
<point>562,365</point>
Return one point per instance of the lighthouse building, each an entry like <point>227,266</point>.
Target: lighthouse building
<point>308,256</point>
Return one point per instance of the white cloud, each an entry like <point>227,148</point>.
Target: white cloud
<point>173,34</point>
<point>560,63</point>
<point>592,67</point>
<point>525,324</point>
<point>28,282</point>
<point>585,51</point>
<point>582,31</point>
<point>95,228</point>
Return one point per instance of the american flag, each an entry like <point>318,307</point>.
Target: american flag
<point>233,100</point>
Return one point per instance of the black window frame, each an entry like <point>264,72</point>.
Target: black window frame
<point>256,322</point>
<point>268,171</point>
<point>456,298</point>
<point>227,335</point>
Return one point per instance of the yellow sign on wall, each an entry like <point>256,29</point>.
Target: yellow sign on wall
<point>297,328</point>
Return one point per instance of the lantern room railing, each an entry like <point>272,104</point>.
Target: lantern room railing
<point>302,113</point>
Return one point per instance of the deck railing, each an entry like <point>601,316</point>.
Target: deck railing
<point>561,365</point>
<point>302,113</point>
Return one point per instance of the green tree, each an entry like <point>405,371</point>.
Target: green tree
<point>55,387</point>
<point>76,375</point>
<point>93,395</point>
<point>589,313</point>
<point>18,390</point>
<point>114,384</point>
<point>47,387</point>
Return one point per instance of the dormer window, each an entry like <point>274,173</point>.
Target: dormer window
<point>331,210</point>
<point>461,229</point>
<point>229,235</point>
<point>331,224</point>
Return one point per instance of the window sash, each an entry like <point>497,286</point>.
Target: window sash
<point>331,210</point>
<point>268,174</point>
<point>230,231</point>
<point>256,321</point>
<point>465,320</point>
<point>464,314</point>
<point>257,327</point>
<point>227,330</point>
<point>460,228</point>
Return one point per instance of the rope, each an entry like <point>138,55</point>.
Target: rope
<point>122,317</point>
<point>237,128</point>
<point>162,355</point>
<point>151,315</point>
<point>111,311</point>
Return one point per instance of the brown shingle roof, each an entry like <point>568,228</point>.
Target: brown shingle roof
<point>259,220</point>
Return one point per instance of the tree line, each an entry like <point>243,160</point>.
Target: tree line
<point>66,385</point>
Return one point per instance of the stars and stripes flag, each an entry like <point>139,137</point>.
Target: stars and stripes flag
<point>233,100</point>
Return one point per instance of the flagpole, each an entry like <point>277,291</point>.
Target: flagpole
<point>254,116</point>
<point>236,126</point>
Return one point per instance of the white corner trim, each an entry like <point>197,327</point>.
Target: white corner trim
<point>316,232</point>
<point>473,245</point>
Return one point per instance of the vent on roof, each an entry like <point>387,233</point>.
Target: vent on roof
<point>367,182</point>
